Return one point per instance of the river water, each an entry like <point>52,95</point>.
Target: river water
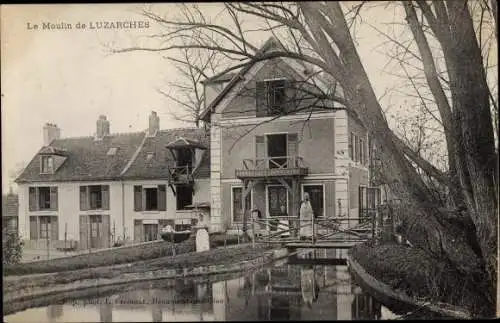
<point>282,291</point>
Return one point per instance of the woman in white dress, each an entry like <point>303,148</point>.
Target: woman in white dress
<point>306,216</point>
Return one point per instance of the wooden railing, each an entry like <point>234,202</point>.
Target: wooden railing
<point>280,162</point>
<point>287,229</point>
<point>180,174</point>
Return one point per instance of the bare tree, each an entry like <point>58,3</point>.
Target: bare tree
<point>319,33</point>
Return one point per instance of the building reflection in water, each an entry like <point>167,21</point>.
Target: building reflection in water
<point>287,292</point>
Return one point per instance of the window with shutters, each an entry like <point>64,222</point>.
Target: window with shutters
<point>94,197</point>
<point>271,97</point>
<point>44,227</point>
<point>151,198</point>
<point>43,198</point>
<point>276,97</point>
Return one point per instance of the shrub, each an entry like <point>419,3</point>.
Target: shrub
<point>12,247</point>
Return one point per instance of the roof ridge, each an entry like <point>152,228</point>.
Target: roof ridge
<point>134,156</point>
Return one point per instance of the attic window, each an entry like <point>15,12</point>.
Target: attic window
<point>47,165</point>
<point>149,156</point>
<point>112,151</point>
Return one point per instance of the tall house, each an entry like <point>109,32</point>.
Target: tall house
<point>274,137</point>
<point>90,192</point>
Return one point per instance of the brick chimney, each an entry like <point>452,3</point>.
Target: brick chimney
<point>154,124</point>
<point>50,133</point>
<point>102,127</point>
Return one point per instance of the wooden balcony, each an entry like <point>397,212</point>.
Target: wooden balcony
<point>180,175</point>
<point>272,167</point>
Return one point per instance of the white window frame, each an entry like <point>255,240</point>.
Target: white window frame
<point>324,194</point>
<point>232,203</point>
<point>50,160</point>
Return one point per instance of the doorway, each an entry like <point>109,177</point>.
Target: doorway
<point>277,196</point>
<point>184,196</point>
<point>277,150</point>
<point>96,230</point>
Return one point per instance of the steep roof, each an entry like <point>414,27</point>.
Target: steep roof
<point>154,157</point>
<point>272,42</point>
<point>115,157</point>
<point>10,205</point>
<point>322,80</point>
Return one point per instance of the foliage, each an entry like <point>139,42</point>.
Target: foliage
<point>12,247</point>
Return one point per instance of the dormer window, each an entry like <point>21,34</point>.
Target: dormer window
<point>47,165</point>
<point>112,151</point>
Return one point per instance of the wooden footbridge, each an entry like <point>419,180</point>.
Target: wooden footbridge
<point>324,233</point>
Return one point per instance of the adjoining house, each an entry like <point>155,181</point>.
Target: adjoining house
<point>92,191</point>
<point>10,205</point>
<point>274,137</point>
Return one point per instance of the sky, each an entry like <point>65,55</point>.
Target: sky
<point>68,77</point>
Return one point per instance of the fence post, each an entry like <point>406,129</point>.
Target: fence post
<point>48,246</point>
<point>374,223</point>
<point>65,236</point>
<point>313,231</point>
<point>238,232</point>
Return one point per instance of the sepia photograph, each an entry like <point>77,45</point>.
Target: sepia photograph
<point>250,161</point>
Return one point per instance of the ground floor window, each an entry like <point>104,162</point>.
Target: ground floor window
<point>316,196</point>
<point>150,232</point>
<point>43,227</point>
<point>237,214</point>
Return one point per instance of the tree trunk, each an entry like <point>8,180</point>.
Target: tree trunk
<point>449,242</point>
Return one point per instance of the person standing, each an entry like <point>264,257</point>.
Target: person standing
<point>306,217</point>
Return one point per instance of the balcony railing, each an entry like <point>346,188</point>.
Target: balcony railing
<point>272,166</point>
<point>180,174</point>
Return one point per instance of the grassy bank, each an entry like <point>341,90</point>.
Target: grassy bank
<point>114,256</point>
<point>216,261</point>
<point>416,274</point>
<point>219,256</point>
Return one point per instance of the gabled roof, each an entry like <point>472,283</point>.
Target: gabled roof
<point>322,80</point>
<point>88,159</point>
<point>10,204</point>
<point>270,43</point>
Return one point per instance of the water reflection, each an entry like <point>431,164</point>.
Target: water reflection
<point>288,292</point>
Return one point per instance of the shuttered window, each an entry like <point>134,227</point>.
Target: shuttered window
<point>44,227</point>
<point>150,198</point>
<point>43,198</point>
<point>94,197</point>
<point>272,97</point>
